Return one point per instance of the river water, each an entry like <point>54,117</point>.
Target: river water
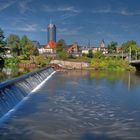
<point>80,105</point>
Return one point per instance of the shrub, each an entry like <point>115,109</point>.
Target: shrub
<point>11,62</point>
<point>41,60</point>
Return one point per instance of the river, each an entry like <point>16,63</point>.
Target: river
<point>79,105</point>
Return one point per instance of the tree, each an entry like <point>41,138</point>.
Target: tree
<point>2,42</point>
<point>13,42</point>
<point>28,47</point>
<point>61,45</point>
<point>34,51</point>
<point>41,60</point>
<point>61,49</point>
<point>112,47</point>
<point>90,54</point>
<point>131,45</point>
<point>24,41</point>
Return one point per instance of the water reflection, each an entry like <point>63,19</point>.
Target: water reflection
<point>10,73</point>
<point>131,79</point>
<point>81,105</point>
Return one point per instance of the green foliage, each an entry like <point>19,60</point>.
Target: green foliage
<point>98,55</point>
<point>41,60</point>
<point>34,51</point>
<point>129,44</point>
<point>2,42</point>
<point>13,41</point>
<point>90,54</point>
<point>61,49</point>
<point>110,64</point>
<point>61,45</point>
<point>29,50</point>
<point>24,41</point>
<point>63,55</point>
<point>112,47</point>
<point>11,62</point>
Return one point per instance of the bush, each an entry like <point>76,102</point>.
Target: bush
<point>11,62</point>
<point>111,64</point>
<point>63,55</point>
<point>41,60</point>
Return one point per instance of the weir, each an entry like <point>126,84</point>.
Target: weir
<point>14,92</point>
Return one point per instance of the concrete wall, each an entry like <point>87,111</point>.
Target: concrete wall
<point>71,65</point>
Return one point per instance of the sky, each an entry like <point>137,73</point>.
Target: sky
<point>76,20</point>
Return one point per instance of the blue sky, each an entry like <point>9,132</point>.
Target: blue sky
<point>76,20</point>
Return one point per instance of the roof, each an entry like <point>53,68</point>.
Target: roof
<point>50,45</point>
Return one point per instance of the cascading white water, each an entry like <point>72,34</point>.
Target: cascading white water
<point>14,92</point>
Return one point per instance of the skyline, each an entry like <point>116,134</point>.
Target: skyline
<point>76,21</point>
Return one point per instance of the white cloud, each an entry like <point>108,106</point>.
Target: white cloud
<point>122,11</point>
<point>28,28</point>
<point>6,5</point>
<point>24,6</point>
<point>68,15</point>
<point>69,9</point>
<point>43,30</point>
<point>66,31</point>
<point>60,9</point>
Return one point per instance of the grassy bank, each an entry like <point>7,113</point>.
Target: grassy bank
<point>111,64</point>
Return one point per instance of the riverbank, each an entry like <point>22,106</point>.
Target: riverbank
<point>96,64</point>
<point>111,65</point>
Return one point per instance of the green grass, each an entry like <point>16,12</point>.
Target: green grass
<point>111,64</point>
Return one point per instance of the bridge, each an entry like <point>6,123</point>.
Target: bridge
<point>136,64</point>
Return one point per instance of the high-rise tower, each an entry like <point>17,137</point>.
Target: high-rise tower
<point>51,32</point>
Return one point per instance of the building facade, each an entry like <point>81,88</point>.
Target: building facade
<point>51,32</point>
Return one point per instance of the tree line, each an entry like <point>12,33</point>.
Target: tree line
<point>18,46</point>
<point>23,50</point>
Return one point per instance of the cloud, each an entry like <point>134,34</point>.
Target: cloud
<point>24,6</point>
<point>28,28</point>
<point>68,32</point>
<point>60,9</point>
<point>123,12</point>
<point>43,30</point>
<point>68,15</point>
<point>6,5</point>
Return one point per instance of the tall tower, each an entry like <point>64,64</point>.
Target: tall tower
<point>51,32</point>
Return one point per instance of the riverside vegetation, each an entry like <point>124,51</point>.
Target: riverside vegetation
<point>23,50</point>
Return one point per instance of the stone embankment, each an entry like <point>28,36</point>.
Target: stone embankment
<point>70,65</point>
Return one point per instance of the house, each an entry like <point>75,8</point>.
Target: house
<point>74,50</point>
<point>85,50</point>
<point>50,48</point>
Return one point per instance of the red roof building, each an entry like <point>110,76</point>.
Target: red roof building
<point>50,45</point>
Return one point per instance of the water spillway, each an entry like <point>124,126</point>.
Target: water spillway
<point>14,92</point>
